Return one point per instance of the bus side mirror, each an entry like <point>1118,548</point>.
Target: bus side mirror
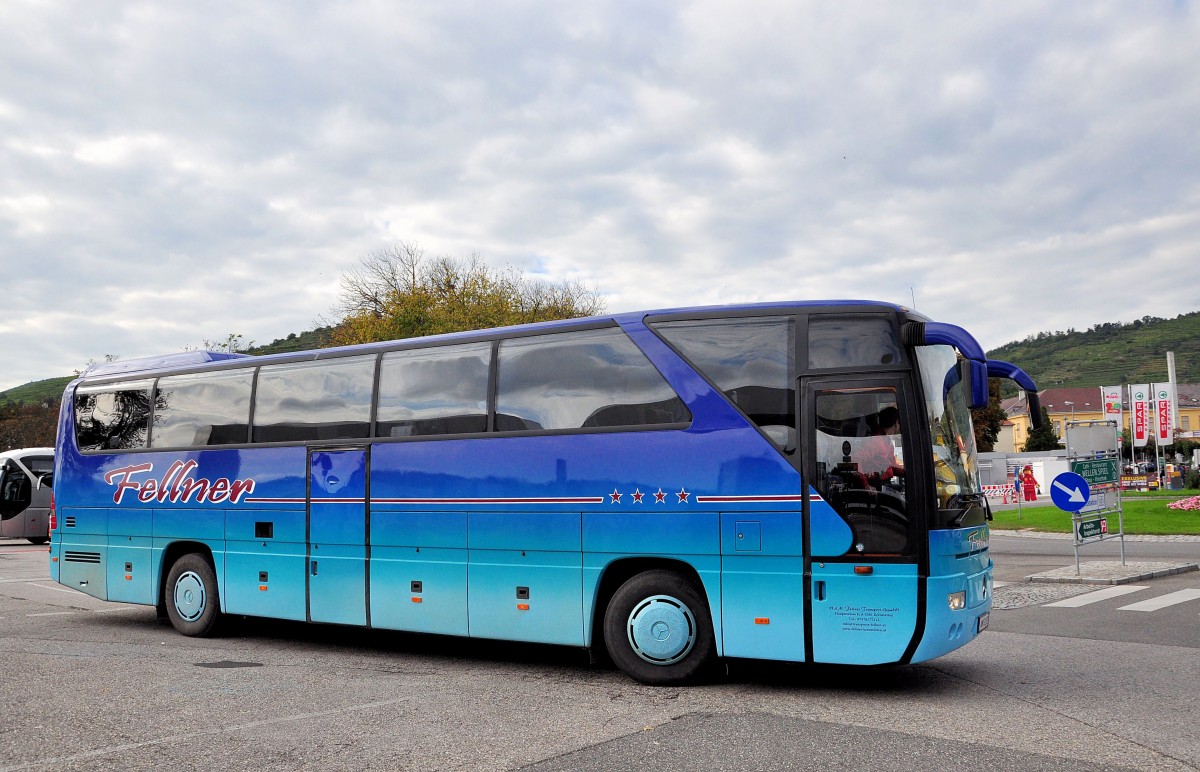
<point>975,375</point>
<point>1035,409</point>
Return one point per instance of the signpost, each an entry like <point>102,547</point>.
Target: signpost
<point>1092,489</point>
<point>1070,492</point>
<point>1090,529</point>
<point>1097,472</point>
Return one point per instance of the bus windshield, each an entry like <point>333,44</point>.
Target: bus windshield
<point>955,459</point>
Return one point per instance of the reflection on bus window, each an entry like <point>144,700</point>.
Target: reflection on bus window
<point>751,360</point>
<point>581,380</point>
<point>328,400</point>
<point>956,475</point>
<point>431,391</point>
<point>835,341</point>
<point>112,418</point>
<point>202,409</point>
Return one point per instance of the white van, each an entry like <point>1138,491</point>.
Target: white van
<point>25,479</point>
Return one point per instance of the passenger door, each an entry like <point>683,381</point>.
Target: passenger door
<point>864,596</point>
<point>337,536</point>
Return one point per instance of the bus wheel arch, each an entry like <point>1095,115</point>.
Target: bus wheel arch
<point>654,621</point>
<point>190,596</point>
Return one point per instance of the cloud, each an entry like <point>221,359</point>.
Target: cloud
<point>171,173</point>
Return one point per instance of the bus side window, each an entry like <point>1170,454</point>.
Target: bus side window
<point>432,391</point>
<point>324,400</point>
<point>202,409</point>
<point>112,417</point>
<point>751,360</point>
<point>581,380</point>
<point>14,491</point>
<point>835,341</point>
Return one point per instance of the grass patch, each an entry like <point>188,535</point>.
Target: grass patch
<point>1143,515</point>
<point>1161,494</point>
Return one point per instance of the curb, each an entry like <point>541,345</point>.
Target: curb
<point>1029,533</point>
<point>1110,572</point>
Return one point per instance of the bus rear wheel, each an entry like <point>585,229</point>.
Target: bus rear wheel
<point>191,596</point>
<point>657,629</point>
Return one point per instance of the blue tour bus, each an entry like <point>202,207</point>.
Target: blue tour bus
<point>787,481</point>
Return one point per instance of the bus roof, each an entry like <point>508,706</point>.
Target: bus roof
<point>196,360</point>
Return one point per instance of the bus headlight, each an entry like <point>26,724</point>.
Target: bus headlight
<point>957,600</point>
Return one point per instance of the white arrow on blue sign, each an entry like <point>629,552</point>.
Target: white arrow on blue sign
<point>1070,492</point>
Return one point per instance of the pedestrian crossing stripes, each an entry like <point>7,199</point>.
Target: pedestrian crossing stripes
<point>1162,601</point>
<point>1097,596</point>
<point>1015,595</point>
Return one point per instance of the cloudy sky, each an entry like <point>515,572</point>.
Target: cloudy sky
<point>174,172</point>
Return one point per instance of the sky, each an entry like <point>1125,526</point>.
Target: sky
<point>172,172</point>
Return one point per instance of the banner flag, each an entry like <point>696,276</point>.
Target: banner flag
<point>1139,412</point>
<point>1163,399</point>
<point>1110,397</point>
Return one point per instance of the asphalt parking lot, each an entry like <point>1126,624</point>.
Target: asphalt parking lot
<point>90,684</point>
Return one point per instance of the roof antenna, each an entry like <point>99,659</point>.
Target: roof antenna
<point>914,296</point>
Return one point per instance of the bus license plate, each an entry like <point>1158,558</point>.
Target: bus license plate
<point>983,623</point>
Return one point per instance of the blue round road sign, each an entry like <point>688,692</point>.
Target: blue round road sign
<point>1070,492</point>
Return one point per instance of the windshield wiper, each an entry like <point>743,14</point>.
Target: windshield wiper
<point>972,501</point>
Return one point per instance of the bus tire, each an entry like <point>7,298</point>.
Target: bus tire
<point>37,539</point>
<point>191,596</point>
<point>658,630</point>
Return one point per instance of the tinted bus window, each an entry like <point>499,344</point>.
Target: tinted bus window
<point>432,391</point>
<point>841,342</point>
<point>328,400</point>
<point>751,360</point>
<point>202,409</point>
<point>112,417</point>
<point>581,380</point>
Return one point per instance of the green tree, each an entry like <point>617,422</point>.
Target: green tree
<point>398,292</point>
<point>1043,438</point>
<point>28,426</point>
<point>988,420</point>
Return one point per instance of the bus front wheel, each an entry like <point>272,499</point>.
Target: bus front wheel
<point>657,629</point>
<point>192,603</point>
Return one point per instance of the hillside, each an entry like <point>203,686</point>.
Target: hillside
<point>36,392</point>
<point>1110,354</point>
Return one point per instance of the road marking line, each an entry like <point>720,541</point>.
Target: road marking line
<point>1162,601</point>
<point>56,589</point>
<point>52,614</point>
<point>1097,596</point>
<point>1001,584</point>
<point>190,736</point>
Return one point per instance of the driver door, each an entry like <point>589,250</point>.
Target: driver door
<point>864,599</point>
